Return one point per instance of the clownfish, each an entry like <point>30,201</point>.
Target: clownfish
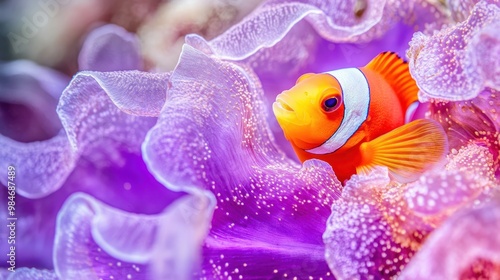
<point>354,119</point>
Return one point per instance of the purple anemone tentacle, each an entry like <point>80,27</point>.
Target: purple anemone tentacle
<point>466,246</point>
<point>110,48</point>
<point>94,240</point>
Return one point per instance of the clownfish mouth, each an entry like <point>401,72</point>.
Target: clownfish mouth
<point>281,104</point>
<point>287,116</point>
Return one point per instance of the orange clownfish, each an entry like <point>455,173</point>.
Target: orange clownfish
<point>354,119</point>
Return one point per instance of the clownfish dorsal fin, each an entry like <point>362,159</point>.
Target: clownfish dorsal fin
<point>396,72</point>
<point>407,151</point>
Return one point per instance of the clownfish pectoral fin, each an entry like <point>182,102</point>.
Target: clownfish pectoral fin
<point>407,151</point>
<point>396,72</point>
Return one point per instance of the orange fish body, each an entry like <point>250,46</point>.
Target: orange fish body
<point>354,119</point>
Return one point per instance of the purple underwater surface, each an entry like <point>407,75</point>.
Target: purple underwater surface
<point>125,171</point>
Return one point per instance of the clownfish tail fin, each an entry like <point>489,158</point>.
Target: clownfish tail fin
<point>407,151</point>
<point>396,72</point>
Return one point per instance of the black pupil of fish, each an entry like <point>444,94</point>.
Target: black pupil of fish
<point>330,103</point>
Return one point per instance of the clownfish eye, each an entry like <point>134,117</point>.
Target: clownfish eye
<point>331,104</point>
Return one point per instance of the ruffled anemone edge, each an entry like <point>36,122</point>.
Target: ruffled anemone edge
<point>457,62</point>
<point>98,241</point>
<point>104,116</point>
<point>336,21</point>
